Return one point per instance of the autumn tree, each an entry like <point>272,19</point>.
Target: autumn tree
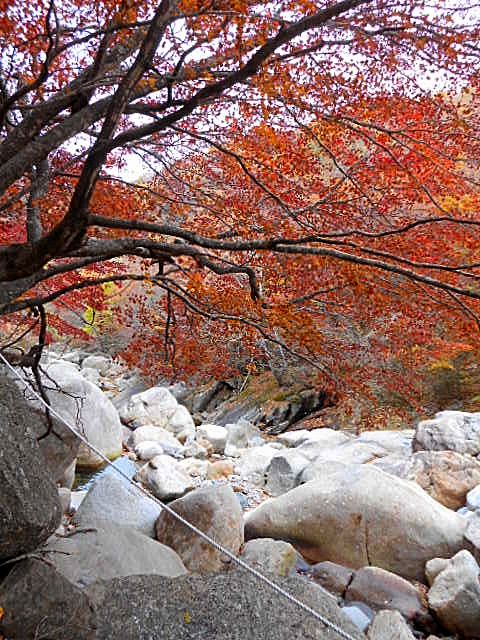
<point>312,174</point>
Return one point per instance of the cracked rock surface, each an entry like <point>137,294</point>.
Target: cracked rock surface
<point>357,515</point>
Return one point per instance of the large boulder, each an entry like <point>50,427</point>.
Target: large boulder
<point>59,446</point>
<point>351,452</point>
<point>165,478</point>
<point>445,475</point>
<point>30,509</point>
<point>216,512</point>
<point>226,606</point>
<point>450,431</point>
<point>455,595</point>
<point>109,551</point>
<point>398,442</point>
<point>39,602</point>
<point>357,516</point>
<point>84,406</point>
<point>112,498</point>
<point>158,407</point>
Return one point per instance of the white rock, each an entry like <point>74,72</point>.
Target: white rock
<point>328,437</point>
<point>359,614</point>
<point>455,595</point>
<point>181,424</point>
<point>215,434</point>
<point>92,375</point>
<point>76,499</point>
<point>195,450</point>
<point>393,441</point>
<point>293,438</point>
<point>195,467</point>
<point>449,430</point>
<point>241,435</point>
<point>352,452</point>
<point>148,449</point>
<point>86,407</point>
<point>170,445</point>
<point>155,406</point>
<point>473,498</point>
<point>253,463</point>
<point>64,495</point>
<point>389,625</point>
<point>100,363</point>
<point>165,478</point>
<point>433,567</point>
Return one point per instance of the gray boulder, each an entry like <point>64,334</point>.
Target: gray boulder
<point>109,551</point>
<point>455,596</point>
<point>284,471</point>
<point>59,446</point>
<point>215,511</point>
<point>226,606</point>
<point>389,625</point>
<point>30,509</point>
<point>356,516</point>
<point>112,498</point>
<point>450,431</point>
<point>38,602</point>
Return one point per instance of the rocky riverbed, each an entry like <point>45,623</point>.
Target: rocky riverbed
<point>379,532</point>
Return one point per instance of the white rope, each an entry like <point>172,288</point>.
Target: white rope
<point>257,574</point>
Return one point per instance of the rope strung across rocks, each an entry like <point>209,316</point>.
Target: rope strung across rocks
<point>257,574</point>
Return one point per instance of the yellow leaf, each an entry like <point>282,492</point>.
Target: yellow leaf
<point>187,618</point>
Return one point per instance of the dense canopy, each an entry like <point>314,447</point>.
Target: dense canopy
<point>258,180</point>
